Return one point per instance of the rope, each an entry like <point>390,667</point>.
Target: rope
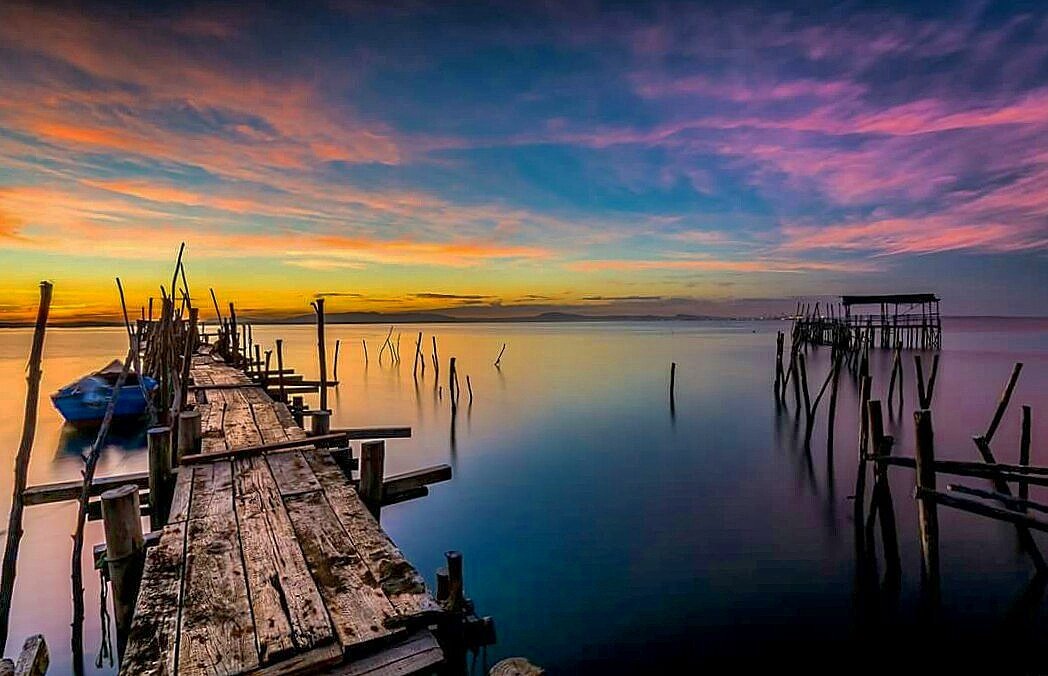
<point>105,650</point>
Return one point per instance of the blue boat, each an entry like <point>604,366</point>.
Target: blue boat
<point>84,402</point>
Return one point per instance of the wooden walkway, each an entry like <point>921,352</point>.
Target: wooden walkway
<point>271,564</point>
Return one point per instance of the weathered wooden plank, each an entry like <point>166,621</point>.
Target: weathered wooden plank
<point>401,583</point>
<point>369,433</point>
<point>213,439</point>
<point>217,633</point>
<point>152,644</point>
<point>358,608</point>
<point>417,652</point>
<point>70,490</point>
<point>289,613</point>
<point>269,424</point>
<point>293,473</point>
<point>410,481</point>
<point>296,440</point>
<point>180,497</point>
<point>318,660</point>
<point>239,423</point>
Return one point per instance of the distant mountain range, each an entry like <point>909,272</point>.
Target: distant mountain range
<point>423,318</point>
<point>436,318</point>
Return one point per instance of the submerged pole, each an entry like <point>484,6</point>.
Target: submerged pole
<point>927,511</point>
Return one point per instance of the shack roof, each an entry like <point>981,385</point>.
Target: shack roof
<point>897,298</point>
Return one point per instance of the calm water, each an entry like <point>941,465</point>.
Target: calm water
<point>604,532</point>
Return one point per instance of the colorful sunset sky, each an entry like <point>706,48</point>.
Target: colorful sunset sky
<point>512,158</point>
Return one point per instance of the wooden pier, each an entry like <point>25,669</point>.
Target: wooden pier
<point>908,320</point>
<point>270,561</point>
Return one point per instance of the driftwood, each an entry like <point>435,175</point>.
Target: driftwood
<point>21,472</point>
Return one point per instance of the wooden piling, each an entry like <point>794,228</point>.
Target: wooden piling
<point>125,550</point>
<point>318,305</point>
<point>372,471</point>
<point>280,370</point>
<point>320,422</point>
<point>436,359</point>
<point>418,354</point>
<point>453,382</point>
<point>927,512</point>
<point>456,591</point>
<point>864,423</point>
<point>21,470</point>
<point>443,585</point>
<point>1002,404</point>
<point>673,378</point>
<point>160,480</point>
<point>190,434</point>
<point>921,394</point>
<point>298,404</point>
<point>1024,450</point>
<point>334,366</point>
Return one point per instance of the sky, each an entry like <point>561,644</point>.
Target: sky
<point>511,158</point>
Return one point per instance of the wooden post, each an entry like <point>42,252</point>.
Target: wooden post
<point>21,471</point>
<point>318,305</point>
<point>779,339</point>
<point>436,359</point>
<point>922,397</point>
<point>831,415</point>
<point>673,379</point>
<point>418,355</point>
<point>456,592</point>
<point>280,369</point>
<point>453,383</point>
<point>125,550</point>
<point>927,512</point>
<point>334,367</point>
<point>298,404</point>
<point>864,423</point>
<point>190,434</point>
<point>235,345</point>
<point>372,471</point>
<point>443,585</point>
<point>320,422</point>
<point>1024,451</point>
<point>1002,405</point>
<point>160,484</point>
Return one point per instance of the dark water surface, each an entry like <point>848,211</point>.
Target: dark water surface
<point>603,531</point>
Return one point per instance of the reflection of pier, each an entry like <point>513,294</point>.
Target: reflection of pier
<point>911,320</point>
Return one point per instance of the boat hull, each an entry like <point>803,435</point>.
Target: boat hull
<point>81,410</point>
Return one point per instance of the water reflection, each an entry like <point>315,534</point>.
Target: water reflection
<point>581,497</point>
<point>124,435</point>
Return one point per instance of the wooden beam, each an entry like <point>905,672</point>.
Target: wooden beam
<point>964,467</point>
<point>364,433</point>
<point>70,490</point>
<point>411,481</point>
<point>325,440</point>
<point>982,509</point>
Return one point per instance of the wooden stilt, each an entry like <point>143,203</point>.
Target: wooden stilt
<point>21,469</point>
<point>125,549</point>
<point>160,483</point>
<point>927,512</point>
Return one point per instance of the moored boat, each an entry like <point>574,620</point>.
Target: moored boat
<point>84,402</point>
